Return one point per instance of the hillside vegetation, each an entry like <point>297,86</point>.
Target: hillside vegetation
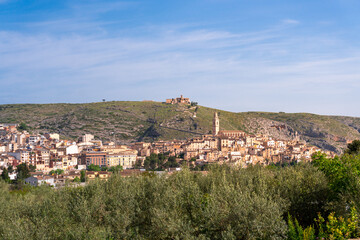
<point>148,121</point>
<point>308,201</point>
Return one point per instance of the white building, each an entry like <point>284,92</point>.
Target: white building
<point>72,149</point>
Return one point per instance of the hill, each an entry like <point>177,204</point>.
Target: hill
<point>148,121</point>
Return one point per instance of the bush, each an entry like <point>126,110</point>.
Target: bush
<point>225,203</point>
<point>185,205</point>
<point>339,227</point>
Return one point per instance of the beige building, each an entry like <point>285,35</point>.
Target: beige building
<point>124,159</point>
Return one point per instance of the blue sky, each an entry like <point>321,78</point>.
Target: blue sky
<point>236,55</point>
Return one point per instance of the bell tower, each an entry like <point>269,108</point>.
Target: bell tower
<point>216,124</point>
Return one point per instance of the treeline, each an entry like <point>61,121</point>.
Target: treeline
<point>162,161</point>
<point>318,200</point>
<point>158,162</point>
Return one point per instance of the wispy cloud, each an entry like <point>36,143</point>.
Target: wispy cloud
<point>290,21</point>
<point>253,70</point>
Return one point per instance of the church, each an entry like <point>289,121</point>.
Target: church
<point>224,133</point>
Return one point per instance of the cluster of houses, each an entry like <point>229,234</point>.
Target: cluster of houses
<point>48,152</point>
<point>232,147</point>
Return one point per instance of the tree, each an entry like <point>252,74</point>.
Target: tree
<point>154,161</point>
<point>32,168</point>
<point>138,164</point>
<point>151,162</point>
<point>82,176</point>
<point>22,127</point>
<point>171,163</point>
<point>161,159</point>
<point>77,180</point>
<point>10,169</point>
<point>5,175</point>
<point>57,172</point>
<point>93,167</point>
<point>116,169</point>
<point>353,148</point>
<point>23,171</point>
<point>104,168</point>
<point>147,163</point>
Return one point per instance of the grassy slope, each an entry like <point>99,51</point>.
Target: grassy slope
<point>132,121</point>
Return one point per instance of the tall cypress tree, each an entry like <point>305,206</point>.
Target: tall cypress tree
<point>5,175</point>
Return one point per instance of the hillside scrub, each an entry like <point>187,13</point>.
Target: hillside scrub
<point>227,203</point>
<point>304,201</point>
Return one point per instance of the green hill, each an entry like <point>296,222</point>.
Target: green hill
<point>148,121</point>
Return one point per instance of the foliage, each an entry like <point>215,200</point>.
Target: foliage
<point>202,167</point>
<point>353,148</point>
<point>23,127</point>
<point>77,180</point>
<point>339,227</point>
<point>296,231</point>
<point>138,164</point>
<point>171,162</point>
<point>32,168</point>
<point>278,202</point>
<point>343,174</point>
<point>57,172</point>
<point>23,171</point>
<point>159,162</point>
<point>305,189</point>
<point>116,169</point>
<point>83,176</point>
<point>5,175</point>
<point>185,205</point>
<point>93,167</point>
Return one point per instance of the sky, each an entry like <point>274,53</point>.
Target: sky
<point>235,55</point>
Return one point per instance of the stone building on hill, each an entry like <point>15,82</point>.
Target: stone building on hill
<point>180,100</point>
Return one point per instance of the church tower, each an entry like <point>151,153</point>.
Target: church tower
<point>216,124</point>
<point>297,138</point>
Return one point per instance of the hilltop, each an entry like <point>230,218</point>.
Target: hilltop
<point>148,121</point>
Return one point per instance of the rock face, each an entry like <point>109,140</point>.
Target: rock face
<point>326,132</point>
<point>127,122</point>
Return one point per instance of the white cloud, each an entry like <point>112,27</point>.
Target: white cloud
<point>265,70</point>
<point>290,21</point>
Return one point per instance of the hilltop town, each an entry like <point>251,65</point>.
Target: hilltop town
<point>47,153</point>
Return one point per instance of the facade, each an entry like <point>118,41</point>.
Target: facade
<point>125,159</point>
<point>231,133</point>
<point>87,138</point>
<point>96,158</point>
